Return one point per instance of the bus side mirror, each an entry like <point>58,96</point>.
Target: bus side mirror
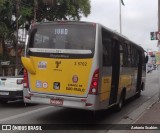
<point>146,59</point>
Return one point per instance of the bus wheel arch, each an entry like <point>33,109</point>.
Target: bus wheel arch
<point>121,100</point>
<point>140,90</point>
<point>3,101</point>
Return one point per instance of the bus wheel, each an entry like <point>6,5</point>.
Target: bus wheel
<point>3,101</point>
<point>120,103</point>
<point>138,94</point>
<point>139,91</point>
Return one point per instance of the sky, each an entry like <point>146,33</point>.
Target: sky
<point>139,18</point>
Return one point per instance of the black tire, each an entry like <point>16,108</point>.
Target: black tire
<point>139,91</point>
<point>120,102</point>
<point>29,104</point>
<point>3,101</point>
<point>138,94</point>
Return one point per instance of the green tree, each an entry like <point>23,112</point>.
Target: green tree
<point>8,25</point>
<point>5,23</point>
<point>41,9</point>
<point>1,3</point>
<point>63,9</point>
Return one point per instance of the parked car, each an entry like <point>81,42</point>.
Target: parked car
<point>11,87</point>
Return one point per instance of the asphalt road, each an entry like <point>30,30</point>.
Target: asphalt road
<point>17,113</point>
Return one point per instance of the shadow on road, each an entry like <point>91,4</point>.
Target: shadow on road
<point>15,104</point>
<point>77,116</point>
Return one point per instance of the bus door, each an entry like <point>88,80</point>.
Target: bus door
<point>115,72</point>
<point>139,75</point>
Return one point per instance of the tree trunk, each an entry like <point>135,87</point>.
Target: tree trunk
<point>4,52</point>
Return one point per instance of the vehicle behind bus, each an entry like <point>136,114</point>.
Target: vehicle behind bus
<point>81,65</point>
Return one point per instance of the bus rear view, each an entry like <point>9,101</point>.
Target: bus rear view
<point>61,68</point>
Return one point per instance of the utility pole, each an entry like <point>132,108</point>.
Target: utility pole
<point>159,22</point>
<point>120,17</point>
<point>159,41</point>
<point>16,52</point>
<point>35,9</point>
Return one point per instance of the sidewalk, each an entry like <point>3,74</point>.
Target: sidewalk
<point>148,112</point>
<point>150,116</point>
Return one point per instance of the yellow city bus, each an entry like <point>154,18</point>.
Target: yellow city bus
<point>81,65</point>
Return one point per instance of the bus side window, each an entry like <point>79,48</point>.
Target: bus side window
<point>129,55</point>
<point>121,55</point>
<point>125,55</point>
<point>135,57</point>
<point>106,48</point>
<point>107,53</point>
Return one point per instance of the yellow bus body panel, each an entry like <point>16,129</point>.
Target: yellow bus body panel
<point>125,81</point>
<point>60,76</point>
<point>106,88</point>
<point>28,64</point>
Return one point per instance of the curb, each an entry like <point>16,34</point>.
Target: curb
<point>134,116</point>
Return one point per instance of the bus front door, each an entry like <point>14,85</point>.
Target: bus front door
<point>115,72</point>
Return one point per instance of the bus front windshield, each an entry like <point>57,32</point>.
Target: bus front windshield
<point>63,36</point>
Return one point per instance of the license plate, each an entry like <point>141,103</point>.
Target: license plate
<point>56,101</point>
<point>4,93</point>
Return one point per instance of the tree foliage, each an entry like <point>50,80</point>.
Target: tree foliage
<point>42,9</point>
<point>1,3</point>
<point>5,18</point>
<point>6,29</point>
<point>63,9</point>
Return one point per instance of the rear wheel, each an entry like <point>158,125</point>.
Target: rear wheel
<point>29,104</point>
<point>139,91</point>
<point>3,101</point>
<point>121,102</point>
<point>138,94</point>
